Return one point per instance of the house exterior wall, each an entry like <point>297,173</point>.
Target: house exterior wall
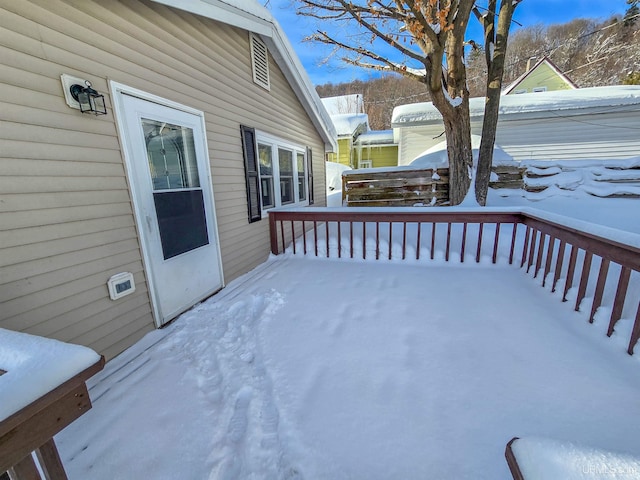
<point>344,151</point>
<point>379,155</point>
<point>554,137</point>
<point>67,220</point>
<point>542,76</point>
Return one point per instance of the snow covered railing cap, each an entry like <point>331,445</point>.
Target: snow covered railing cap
<point>542,459</point>
<point>34,366</point>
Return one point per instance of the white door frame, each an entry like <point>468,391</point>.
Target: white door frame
<point>117,91</point>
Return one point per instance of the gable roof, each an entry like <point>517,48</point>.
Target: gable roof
<point>350,124</point>
<point>543,61</point>
<point>251,16</point>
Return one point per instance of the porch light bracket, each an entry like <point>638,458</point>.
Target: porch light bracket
<point>90,101</point>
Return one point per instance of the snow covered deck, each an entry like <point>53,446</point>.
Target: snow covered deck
<point>326,369</point>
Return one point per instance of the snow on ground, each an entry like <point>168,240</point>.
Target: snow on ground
<point>325,369</point>
<point>347,370</point>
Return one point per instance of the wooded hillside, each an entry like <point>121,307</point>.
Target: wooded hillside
<point>590,52</point>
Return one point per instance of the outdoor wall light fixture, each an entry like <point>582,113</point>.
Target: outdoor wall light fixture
<point>90,101</point>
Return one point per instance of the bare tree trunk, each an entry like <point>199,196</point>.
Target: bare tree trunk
<point>457,129</point>
<point>495,50</point>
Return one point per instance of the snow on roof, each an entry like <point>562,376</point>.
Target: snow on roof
<point>349,123</point>
<point>353,103</point>
<point>526,103</point>
<point>376,137</point>
<point>34,366</point>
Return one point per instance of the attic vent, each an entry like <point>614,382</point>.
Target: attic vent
<point>260,62</point>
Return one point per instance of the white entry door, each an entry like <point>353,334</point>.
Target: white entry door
<point>170,180</point>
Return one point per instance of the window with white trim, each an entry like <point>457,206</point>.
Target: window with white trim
<point>283,172</point>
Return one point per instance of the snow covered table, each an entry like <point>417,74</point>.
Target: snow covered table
<point>42,390</point>
<point>543,459</point>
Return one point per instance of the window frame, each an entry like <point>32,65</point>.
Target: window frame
<point>277,144</point>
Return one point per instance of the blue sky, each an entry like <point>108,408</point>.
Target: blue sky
<point>529,12</point>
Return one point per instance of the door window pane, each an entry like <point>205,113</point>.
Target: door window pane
<point>181,221</point>
<point>285,162</point>
<point>266,176</point>
<point>171,155</point>
<point>302,184</point>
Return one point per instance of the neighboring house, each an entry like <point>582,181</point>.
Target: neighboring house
<point>544,76</point>
<point>359,147</point>
<point>349,126</point>
<point>586,123</point>
<point>204,99</point>
<point>376,148</point>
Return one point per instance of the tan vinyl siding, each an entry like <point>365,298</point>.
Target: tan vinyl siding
<point>66,217</point>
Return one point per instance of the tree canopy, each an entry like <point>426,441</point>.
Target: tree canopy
<point>425,40</point>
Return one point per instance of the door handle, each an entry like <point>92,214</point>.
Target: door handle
<point>149,223</point>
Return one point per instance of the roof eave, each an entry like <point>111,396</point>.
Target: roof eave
<point>281,51</point>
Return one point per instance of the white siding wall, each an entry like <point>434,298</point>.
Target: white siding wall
<point>66,218</point>
<point>614,134</point>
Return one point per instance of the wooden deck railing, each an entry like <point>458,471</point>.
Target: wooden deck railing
<point>559,251</point>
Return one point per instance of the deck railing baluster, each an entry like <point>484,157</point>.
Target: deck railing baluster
<point>541,244</point>
<point>315,236</point>
<point>570,272</point>
<point>446,255</point>
<point>326,230</point>
<point>494,257</point>
<point>390,238</point>
<point>364,240</point>
<point>418,241</point>
<point>404,240</point>
<point>547,263</point>
<point>532,249</point>
<point>304,237</point>
<point>527,234</point>
<point>635,333</point>
<point>479,250</point>
<point>618,303</point>
<point>559,261</point>
<point>584,279</point>
<point>602,279</point>
<point>433,239</point>
<point>514,236</point>
<point>464,240</point>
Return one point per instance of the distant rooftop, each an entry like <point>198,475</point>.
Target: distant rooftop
<point>376,137</point>
<point>526,103</point>
<point>343,104</point>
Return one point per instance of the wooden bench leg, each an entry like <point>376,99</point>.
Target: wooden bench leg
<point>50,461</point>
<point>25,469</point>
<point>512,462</point>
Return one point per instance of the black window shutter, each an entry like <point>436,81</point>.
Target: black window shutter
<point>310,173</point>
<point>251,172</point>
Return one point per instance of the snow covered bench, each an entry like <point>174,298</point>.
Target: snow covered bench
<point>543,459</point>
<point>42,390</point>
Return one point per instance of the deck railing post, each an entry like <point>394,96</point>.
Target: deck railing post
<point>273,233</point>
